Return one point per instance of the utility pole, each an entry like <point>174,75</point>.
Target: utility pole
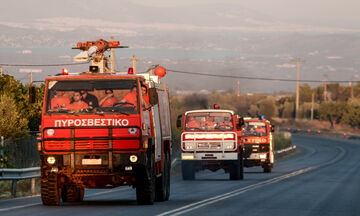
<point>298,61</point>
<point>31,78</point>
<point>352,87</point>
<point>134,63</point>
<point>31,71</point>
<point>312,106</point>
<point>238,88</point>
<point>112,69</point>
<point>325,88</point>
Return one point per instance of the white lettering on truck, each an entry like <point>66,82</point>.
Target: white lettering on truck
<point>91,122</point>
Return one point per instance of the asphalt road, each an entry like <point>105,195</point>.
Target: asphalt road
<point>321,180</point>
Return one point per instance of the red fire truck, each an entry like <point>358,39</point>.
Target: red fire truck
<point>104,130</point>
<point>210,141</point>
<point>257,137</point>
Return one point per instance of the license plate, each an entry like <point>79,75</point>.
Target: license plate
<point>91,161</point>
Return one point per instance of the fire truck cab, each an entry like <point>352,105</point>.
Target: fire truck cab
<point>257,138</point>
<point>104,130</point>
<point>210,141</point>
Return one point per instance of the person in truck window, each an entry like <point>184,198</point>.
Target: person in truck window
<point>145,97</point>
<point>209,122</point>
<point>90,99</point>
<point>109,100</point>
<point>226,123</point>
<point>78,104</point>
<point>193,123</point>
<point>260,129</point>
<point>59,101</point>
<point>131,97</point>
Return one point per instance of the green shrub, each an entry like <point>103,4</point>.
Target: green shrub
<point>282,141</point>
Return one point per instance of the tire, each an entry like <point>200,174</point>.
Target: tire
<point>236,168</point>
<point>267,168</point>
<point>188,172</point>
<point>163,182</point>
<point>145,183</point>
<point>241,166</point>
<point>81,193</point>
<point>50,191</point>
<point>72,193</point>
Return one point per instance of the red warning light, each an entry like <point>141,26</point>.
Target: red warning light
<point>65,71</point>
<point>160,71</point>
<point>131,71</point>
<point>216,106</point>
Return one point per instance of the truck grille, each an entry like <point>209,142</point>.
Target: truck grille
<point>255,148</point>
<point>211,145</point>
<point>116,138</point>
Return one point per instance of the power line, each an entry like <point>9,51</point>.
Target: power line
<point>42,65</point>
<point>252,78</point>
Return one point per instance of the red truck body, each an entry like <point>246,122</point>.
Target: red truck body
<point>257,138</point>
<point>102,146</point>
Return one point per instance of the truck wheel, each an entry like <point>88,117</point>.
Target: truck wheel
<point>235,167</point>
<point>267,168</point>
<point>81,193</point>
<point>50,191</point>
<point>71,193</point>
<point>145,183</point>
<point>241,166</point>
<point>188,172</point>
<point>163,182</point>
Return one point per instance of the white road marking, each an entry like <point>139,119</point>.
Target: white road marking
<point>39,203</point>
<point>220,197</point>
<point>18,207</point>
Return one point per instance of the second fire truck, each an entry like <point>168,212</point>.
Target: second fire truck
<point>210,141</point>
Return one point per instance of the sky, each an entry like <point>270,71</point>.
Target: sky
<point>330,13</point>
<point>266,33</point>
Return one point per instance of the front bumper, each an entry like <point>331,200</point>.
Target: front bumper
<point>210,156</point>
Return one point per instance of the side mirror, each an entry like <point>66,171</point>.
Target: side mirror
<point>153,96</point>
<point>178,121</point>
<point>272,128</point>
<point>241,121</point>
<point>32,94</point>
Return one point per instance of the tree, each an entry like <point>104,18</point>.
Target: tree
<point>333,112</point>
<point>289,110</point>
<point>268,107</point>
<point>12,125</point>
<point>305,93</point>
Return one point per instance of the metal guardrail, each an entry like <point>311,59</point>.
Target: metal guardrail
<point>321,132</point>
<point>19,174</point>
<point>285,149</point>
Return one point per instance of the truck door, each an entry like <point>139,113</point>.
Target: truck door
<point>157,131</point>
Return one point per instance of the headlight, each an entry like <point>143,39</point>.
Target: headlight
<point>263,156</point>
<point>229,146</point>
<point>189,146</point>
<point>51,160</point>
<point>133,158</point>
<point>50,132</point>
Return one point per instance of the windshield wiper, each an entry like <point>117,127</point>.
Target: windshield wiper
<point>114,110</point>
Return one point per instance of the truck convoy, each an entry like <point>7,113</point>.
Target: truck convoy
<point>257,137</point>
<point>210,141</point>
<point>103,130</point>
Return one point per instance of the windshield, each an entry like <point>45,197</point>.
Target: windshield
<point>92,96</point>
<point>209,121</point>
<point>254,129</point>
